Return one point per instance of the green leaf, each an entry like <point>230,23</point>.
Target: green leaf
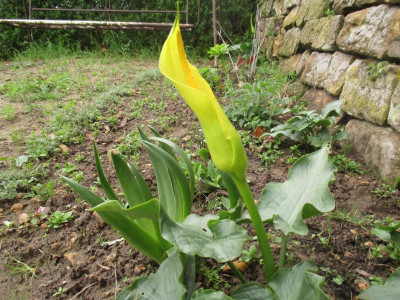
<point>332,109</point>
<point>298,283</point>
<point>186,161</point>
<point>303,195</point>
<point>249,291</point>
<point>128,229</point>
<point>202,294</point>
<point>166,283</point>
<point>205,236</point>
<point>382,234</point>
<point>131,187</point>
<point>103,180</point>
<point>173,187</point>
<point>323,138</point>
<point>389,291</point>
<point>189,275</point>
<point>21,160</point>
<point>233,192</point>
<point>149,210</point>
<point>252,291</point>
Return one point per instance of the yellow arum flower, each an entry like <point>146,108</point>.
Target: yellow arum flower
<point>223,141</point>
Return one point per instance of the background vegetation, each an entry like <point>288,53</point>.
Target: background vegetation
<point>234,15</point>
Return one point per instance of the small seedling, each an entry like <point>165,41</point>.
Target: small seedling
<point>58,218</point>
<point>251,255</point>
<point>60,291</point>
<point>375,280</point>
<point>385,190</point>
<point>337,278</point>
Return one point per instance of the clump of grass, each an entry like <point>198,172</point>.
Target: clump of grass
<point>18,267</point>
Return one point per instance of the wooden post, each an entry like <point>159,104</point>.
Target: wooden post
<point>30,10</point>
<point>187,11</point>
<point>109,7</point>
<point>214,13</point>
<point>30,17</point>
<point>220,12</point>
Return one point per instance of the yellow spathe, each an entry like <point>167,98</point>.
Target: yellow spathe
<point>223,141</point>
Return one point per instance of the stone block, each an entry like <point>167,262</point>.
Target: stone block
<point>310,10</point>
<point>296,89</point>
<point>266,8</point>
<point>344,6</point>
<point>368,89</point>
<point>279,8</point>
<point>289,65</point>
<point>317,99</point>
<point>288,4</point>
<point>290,19</point>
<point>320,34</point>
<point>268,47</point>
<point>302,63</point>
<point>394,112</point>
<point>327,71</point>
<point>373,32</point>
<point>277,44</point>
<point>290,43</point>
<point>380,147</point>
<point>271,26</point>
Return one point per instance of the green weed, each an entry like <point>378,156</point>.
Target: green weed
<point>8,111</point>
<point>21,180</point>
<point>58,218</point>
<point>345,164</point>
<point>18,267</point>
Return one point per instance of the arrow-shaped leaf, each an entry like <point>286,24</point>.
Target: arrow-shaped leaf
<point>298,283</point>
<point>166,283</point>
<point>303,195</point>
<point>203,235</point>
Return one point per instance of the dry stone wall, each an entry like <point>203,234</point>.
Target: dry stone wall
<point>347,50</point>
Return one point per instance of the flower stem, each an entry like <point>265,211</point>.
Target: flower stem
<point>266,253</point>
<point>282,254</point>
<point>237,272</point>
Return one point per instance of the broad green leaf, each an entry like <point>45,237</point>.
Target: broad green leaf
<point>303,195</point>
<point>21,160</point>
<point>252,291</point>
<point>173,186</point>
<point>131,187</point>
<point>332,109</point>
<point>187,162</point>
<point>205,236</point>
<point>389,291</point>
<point>103,180</point>
<point>134,234</point>
<point>145,192</point>
<point>249,291</point>
<point>298,283</point>
<point>382,234</point>
<point>149,210</point>
<point>202,294</point>
<point>166,283</point>
<point>323,138</point>
<point>189,274</point>
<point>233,192</point>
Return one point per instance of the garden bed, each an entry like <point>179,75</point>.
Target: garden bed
<point>103,101</point>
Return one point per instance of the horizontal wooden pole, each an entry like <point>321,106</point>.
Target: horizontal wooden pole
<point>71,24</point>
<point>106,10</point>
